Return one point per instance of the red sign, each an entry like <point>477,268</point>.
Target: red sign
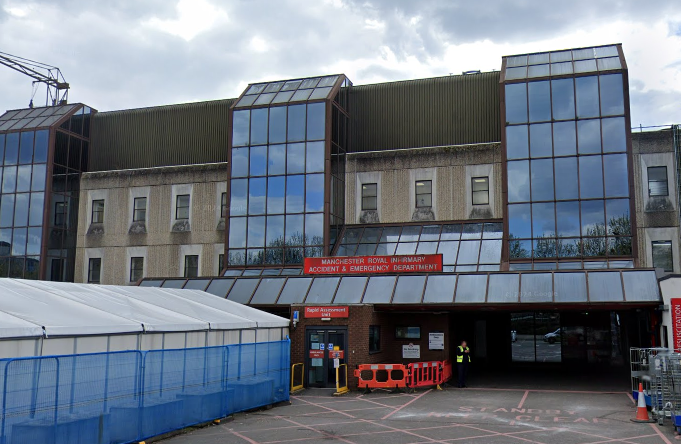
<point>316,354</point>
<point>336,354</point>
<point>327,312</point>
<point>412,263</point>
<point>676,323</point>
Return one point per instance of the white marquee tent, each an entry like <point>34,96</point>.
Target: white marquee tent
<point>39,318</point>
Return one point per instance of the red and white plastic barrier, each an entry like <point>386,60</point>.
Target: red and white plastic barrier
<point>414,375</point>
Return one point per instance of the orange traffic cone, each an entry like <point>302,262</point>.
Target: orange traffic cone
<point>641,410</point>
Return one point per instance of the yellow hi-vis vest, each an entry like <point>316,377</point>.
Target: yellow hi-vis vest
<point>459,359</point>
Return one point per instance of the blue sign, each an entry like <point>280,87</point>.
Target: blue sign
<point>321,346</point>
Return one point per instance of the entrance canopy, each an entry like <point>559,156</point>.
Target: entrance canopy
<point>560,288</point>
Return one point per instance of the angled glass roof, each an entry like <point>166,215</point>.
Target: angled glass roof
<point>554,63</point>
<point>464,247</point>
<point>30,118</point>
<point>498,288</point>
<point>287,91</point>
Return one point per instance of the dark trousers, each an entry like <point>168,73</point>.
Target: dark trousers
<point>462,370</point>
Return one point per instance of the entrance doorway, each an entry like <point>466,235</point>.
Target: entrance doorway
<point>324,345</point>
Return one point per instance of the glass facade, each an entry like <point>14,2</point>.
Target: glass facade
<point>567,160</point>
<point>22,177</point>
<point>71,149</point>
<point>26,198</point>
<point>464,247</point>
<point>282,158</point>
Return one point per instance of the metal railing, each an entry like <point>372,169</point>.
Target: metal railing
<point>341,380</point>
<point>128,396</point>
<point>297,378</point>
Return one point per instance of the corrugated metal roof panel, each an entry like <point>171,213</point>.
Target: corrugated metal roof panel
<point>183,134</point>
<point>438,111</point>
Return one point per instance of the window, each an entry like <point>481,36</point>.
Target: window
<point>223,206</point>
<point>98,211</point>
<point>140,210</point>
<point>407,332</point>
<point>657,181</point>
<point>136,268</point>
<point>182,207</point>
<point>94,270</point>
<point>369,196</point>
<point>424,193</point>
<point>480,187</point>
<point>191,265</point>
<point>662,255</point>
<point>374,338</point>
<point>221,262</point>
<point>56,270</point>
<point>59,214</point>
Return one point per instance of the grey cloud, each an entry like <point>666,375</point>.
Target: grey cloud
<point>514,21</point>
<point>380,71</point>
<point>654,107</point>
<point>112,61</point>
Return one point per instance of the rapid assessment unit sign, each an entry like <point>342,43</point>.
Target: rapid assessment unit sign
<point>411,263</point>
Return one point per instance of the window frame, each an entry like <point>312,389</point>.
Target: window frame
<point>183,207</point>
<point>186,267</point>
<point>374,330</point>
<point>474,191</point>
<point>90,270</point>
<point>417,194</point>
<point>666,181</point>
<point>98,212</point>
<point>135,210</point>
<point>134,269</point>
<point>60,209</point>
<point>369,196</point>
<point>669,243</point>
<point>221,262</point>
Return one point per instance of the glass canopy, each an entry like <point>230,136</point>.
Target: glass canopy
<point>555,63</point>
<point>298,90</point>
<point>557,287</point>
<point>464,246</point>
<point>33,117</point>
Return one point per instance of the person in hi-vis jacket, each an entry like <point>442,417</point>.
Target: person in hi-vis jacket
<point>463,360</point>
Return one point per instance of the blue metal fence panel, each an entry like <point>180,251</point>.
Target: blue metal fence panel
<point>122,397</point>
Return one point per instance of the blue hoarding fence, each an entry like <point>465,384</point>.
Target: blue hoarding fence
<point>128,396</point>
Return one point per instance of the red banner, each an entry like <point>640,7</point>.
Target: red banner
<point>327,312</point>
<point>336,354</point>
<point>413,263</point>
<point>676,323</point>
<point>316,354</point>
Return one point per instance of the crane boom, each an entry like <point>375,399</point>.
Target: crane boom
<point>51,76</point>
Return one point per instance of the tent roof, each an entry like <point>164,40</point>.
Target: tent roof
<point>33,308</point>
<point>263,318</point>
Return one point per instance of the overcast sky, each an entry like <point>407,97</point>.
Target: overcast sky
<point>120,54</point>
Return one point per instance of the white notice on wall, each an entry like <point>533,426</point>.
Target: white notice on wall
<point>436,341</point>
<point>411,351</point>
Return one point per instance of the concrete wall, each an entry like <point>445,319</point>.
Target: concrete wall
<point>449,168</point>
<point>657,218</point>
<point>161,240</point>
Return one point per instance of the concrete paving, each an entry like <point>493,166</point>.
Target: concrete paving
<point>472,415</point>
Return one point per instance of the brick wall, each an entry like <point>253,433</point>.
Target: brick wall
<point>358,322</point>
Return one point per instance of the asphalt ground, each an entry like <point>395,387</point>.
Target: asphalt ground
<point>470,415</point>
